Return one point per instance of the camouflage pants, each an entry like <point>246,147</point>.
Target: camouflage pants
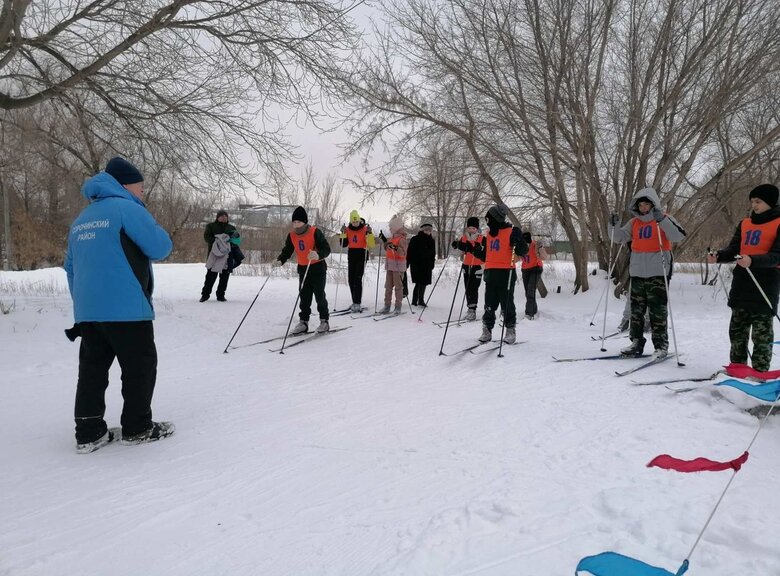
<point>763,335</point>
<point>649,294</point>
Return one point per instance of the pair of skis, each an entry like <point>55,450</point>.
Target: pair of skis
<point>346,311</point>
<point>453,322</point>
<point>477,348</point>
<point>307,337</point>
<point>641,366</point>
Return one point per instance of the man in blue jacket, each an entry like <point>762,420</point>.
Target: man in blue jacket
<point>110,248</point>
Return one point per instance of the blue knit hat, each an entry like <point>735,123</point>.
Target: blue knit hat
<point>123,171</point>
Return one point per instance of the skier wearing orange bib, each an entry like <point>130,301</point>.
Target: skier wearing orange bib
<point>472,266</point>
<point>499,250</point>
<point>651,233</point>
<point>310,247</point>
<point>358,239</point>
<point>531,266</point>
<point>757,241</point>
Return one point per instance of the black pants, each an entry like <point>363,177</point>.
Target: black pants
<point>472,278</point>
<point>496,280</point>
<point>405,283</point>
<point>530,281</point>
<point>418,294</point>
<point>356,266</point>
<point>209,284</point>
<point>132,344</point>
<point>314,286</point>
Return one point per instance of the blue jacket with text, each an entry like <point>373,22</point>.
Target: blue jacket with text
<point>110,248</point>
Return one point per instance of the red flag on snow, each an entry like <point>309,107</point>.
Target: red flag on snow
<point>698,465</point>
<point>745,371</point>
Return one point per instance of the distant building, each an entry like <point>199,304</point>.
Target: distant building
<point>260,216</point>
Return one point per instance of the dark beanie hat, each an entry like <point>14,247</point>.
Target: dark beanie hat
<point>299,214</point>
<point>221,213</point>
<point>496,213</point>
<point>123,171</point>
<point>472,221</point>
<point>766,192</point>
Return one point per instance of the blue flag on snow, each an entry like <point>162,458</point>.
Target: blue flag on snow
<point>614,564</point>
<point>768,391</point>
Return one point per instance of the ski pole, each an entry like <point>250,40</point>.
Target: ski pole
<point>668,296</point>
<point>410,306</point>
<point>246,314</point>
<point>300,289</point>
<point>452,305</point>
<point>341,257</point>
<point>720,281</point>
<point>463,302</point>
<point>446,260</point>
<point>753,278</point>
<point>506,303</point>
<point>611,268</point>
<point>378,268</point>
<point>606,301</point>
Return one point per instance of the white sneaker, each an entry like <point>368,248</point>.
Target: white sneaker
<point>660,353</point>
<point>509,336</point>
<point>300,328</point>
<point>323,327</point>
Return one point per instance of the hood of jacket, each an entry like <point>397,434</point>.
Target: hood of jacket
<point>103,186</point>
<point>648,193</point>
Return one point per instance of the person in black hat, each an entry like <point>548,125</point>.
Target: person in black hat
<point>111,246</point>
<point>756,248</point>
<point>310,247</point>
<point>472,266</point>
<point>213,229</point>
<point>499,250</point>
<point>421,258</point>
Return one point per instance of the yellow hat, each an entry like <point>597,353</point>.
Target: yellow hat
<point>354,216</point>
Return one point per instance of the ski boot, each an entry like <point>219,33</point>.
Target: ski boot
<point>300,328</point>
<point>634,350</point>
<point>660,353</point>
<point>471,315</point>
<point>487,334</point>
<point>510,336</point>
<point>323,327</point>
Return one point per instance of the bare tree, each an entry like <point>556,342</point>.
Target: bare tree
<point>579,104</point>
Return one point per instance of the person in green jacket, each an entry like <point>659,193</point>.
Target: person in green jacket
<point>219,226</point>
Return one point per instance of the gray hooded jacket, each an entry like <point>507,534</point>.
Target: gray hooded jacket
<point>647,264</point>
<point>218,257</point>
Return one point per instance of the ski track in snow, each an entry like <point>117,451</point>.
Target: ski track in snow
<point>366,453</point>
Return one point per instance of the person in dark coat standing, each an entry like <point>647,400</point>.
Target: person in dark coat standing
<point>111,246</point>
<point>756,248</point>
<point>421,258</point>
<point>219,226</point>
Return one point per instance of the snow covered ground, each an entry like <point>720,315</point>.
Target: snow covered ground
<point>365,453</point>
